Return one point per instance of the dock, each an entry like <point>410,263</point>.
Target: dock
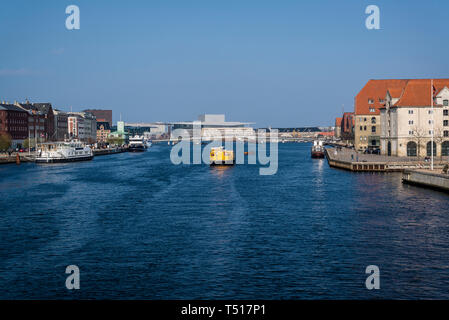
<point>24,157</point>
<point>351,160</point>
<point>427,178</point>
<point>108,151</point>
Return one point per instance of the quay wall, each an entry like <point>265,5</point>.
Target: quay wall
<point>427,179</point>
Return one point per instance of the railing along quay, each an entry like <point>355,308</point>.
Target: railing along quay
<point>350,160</point>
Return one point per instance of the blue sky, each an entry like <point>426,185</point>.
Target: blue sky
<point>278,63</point>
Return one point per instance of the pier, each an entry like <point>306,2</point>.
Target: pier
<point>427,178</point>
<point>348,159</point>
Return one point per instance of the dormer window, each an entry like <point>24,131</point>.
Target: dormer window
<point>370,101</point>
<point>381,100</point>
<point>372,110</point>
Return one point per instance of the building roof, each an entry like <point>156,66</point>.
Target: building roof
<point>376,90</point>
<point>418,93</point>
<point>43,107</point>
<point>10,107</point>
<point>410,92</point>
<point>39,108</point>
<point>338,122</point>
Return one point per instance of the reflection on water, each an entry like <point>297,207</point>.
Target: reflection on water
<point>141,227</point>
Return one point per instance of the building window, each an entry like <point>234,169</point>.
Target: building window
<point>410,112</point>
<point>411,149</point>
<point>446,133</point>
<point>445,148</point>
<point>429,151</point>
<point>430,121</point>
<point>430,111</point>
<point>446,112</point>
<point>410,122</point>
<point>364,128</point>
<point>373,120</point>
<point>410,132</point>
<point>445,103</point>
<point>373,129</point>
<point>445,123</point>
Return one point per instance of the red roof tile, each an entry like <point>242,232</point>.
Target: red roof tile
<point>417,93</point>
<point>376,90</point>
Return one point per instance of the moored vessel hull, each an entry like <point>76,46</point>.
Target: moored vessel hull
<point>317,154</point>
<point>136,149</point>
<point>60,160</point>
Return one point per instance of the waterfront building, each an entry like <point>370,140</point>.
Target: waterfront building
<point>337,128</point>
<point>347,127</point>
<point>214,126</point>
<point>14,122</point>
<point>61,125</point>
<point>407,119</point>
<point>40,121</point>
<point>119,132</point>
<point>367,106</point>
<point>103,131</point>
<point>83,126</point>
<point>151,130</point>
<point>101,115</point>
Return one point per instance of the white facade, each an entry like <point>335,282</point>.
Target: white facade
<point>82,125</point>
<point>407,130</point>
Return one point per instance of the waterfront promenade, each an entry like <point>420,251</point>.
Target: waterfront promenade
<point>349,159</point>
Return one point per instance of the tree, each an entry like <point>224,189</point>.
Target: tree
<point>27,144</point>
<point>116,140</point>
<point>438,139</point>
<point>5,141</point>
<point>419,135</point>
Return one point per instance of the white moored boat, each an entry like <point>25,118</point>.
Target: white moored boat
<point>137,144</point>
<point>63,151</point>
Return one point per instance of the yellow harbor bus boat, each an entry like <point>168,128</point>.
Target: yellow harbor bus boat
<point>220,156</point>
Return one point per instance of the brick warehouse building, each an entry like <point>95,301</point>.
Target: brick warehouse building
<point>101,115</point>
<point>14,122</point>
<point>40,120</point>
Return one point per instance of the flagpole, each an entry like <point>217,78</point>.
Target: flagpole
<point>433,120</point>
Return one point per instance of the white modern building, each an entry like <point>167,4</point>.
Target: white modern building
<point>214,126</point>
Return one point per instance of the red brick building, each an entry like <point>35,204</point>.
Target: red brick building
<point>347,126</point>
<point>14,122</point>
<point>101,115</point>
<point>41,120</point>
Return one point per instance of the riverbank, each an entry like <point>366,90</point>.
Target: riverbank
<point>26,157</point>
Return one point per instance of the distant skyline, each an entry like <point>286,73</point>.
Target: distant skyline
<point>275,63</point>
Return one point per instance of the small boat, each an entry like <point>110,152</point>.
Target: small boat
<point>63,151</point>
<point>317,150</point>
<point>136,144</point>
<point>148,143</point>
<point>220,156</point>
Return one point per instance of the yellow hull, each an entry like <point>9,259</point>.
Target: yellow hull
<point>219,156</point>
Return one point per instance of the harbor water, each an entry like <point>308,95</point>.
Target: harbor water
<point>139,227</point>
